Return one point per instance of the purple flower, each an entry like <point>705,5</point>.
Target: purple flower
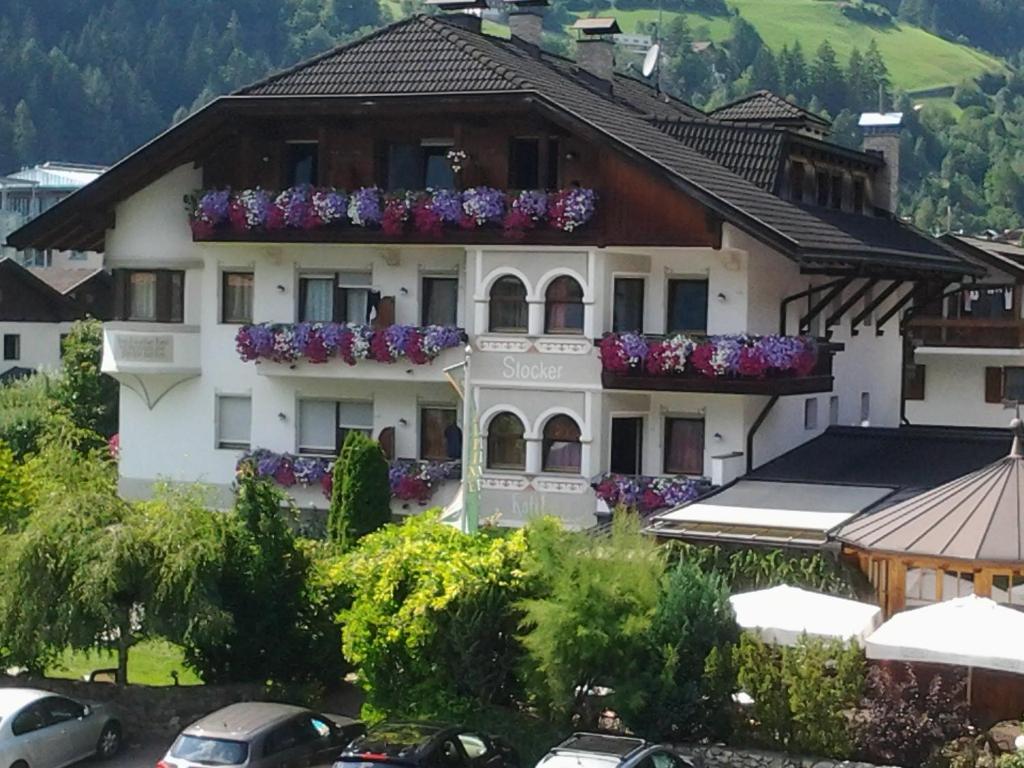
<point>213,206</point>
<point>437,338</point>
<point>781,352</point>
<point>365,208</point>
<point>447,204</point>
<point>484,204</point>
<point>533,203</point>
<point>295,205</point>
<point>256,205</point>
<point>330,205</point>
<point>635,347</point>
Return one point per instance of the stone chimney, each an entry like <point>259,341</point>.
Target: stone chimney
<point>882,137</point>
<point>464,13</point>
<point>526,20</point>
<point>595,48</point>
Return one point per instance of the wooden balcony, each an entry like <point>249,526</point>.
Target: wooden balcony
<point>983,333</point>
<point>806,379</point>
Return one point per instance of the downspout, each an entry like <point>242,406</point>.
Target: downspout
<point>756,426</point>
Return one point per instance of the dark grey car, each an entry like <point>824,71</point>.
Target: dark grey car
<point>262,735</point>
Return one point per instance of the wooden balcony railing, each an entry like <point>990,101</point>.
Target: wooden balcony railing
<point>967,332</point>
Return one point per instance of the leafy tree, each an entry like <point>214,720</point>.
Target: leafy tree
<point>89,396</point>
<point>361,494</point>
<point>591,618</point>
<point>431,624</point>
<point>683,688</point>
<point>16,498</point>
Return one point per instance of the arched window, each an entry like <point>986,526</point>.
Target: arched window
<point>506,446</point>
<point>509,313</point>
<point>561,446</point>
<point>563,306</point>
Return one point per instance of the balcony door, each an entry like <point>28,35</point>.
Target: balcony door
<point>627,445</point>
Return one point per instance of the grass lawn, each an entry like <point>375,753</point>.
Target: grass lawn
<point>149,663</point>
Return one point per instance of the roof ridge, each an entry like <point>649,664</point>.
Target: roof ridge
<point>317,58</point>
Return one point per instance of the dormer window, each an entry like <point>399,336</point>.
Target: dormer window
<point>824,188</point>
<point>302,164</point>
<point>837,193</point>
<point>796,181</point>
<point>419,165</point>
<point>859,195</point>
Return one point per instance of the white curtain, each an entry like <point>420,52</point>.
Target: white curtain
<point>319,301</point>
<point>143,296</point>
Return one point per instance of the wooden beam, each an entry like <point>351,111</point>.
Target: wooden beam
<point>848,304</point>
<point>888,291</point>
<point>817,309</point>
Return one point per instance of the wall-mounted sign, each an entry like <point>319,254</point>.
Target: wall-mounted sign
<point>145,348</point>
<point>515,370</point>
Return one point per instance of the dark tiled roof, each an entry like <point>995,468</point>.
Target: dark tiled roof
<point>431,55</point>
<point>908,459</point>
<point>765,106</point>
<point>754,152</point>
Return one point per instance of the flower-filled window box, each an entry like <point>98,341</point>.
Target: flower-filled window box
<point>736,356</point>
<point>410,480</point>
<point>648,494</point>
<point>322,342</point>
<point>427,213</point>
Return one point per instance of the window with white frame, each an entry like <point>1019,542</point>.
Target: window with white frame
<point>234,421</point>
<point>811,413</point>
<point>324,424</point>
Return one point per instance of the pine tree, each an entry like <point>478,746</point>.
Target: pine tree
<point>877,72</point>
<point>25,134</point>
<point>793,71</point>
<point>764,72</point>
<point>827,78</point>
<point>361,496</point>
<point>858,81</point>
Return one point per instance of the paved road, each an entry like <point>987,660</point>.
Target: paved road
<point>132,756</point>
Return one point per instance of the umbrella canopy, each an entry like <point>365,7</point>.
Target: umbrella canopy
<point>781,615</point>
<point>969,631</point>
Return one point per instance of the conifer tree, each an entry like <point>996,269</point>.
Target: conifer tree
<point>361,495</point>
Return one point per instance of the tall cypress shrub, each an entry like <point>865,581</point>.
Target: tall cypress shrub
<point>361,495</point>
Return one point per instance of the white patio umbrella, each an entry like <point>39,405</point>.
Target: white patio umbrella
<point>781,615</point>
<point>969,632</point>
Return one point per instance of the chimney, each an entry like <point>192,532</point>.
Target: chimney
<point>467,14</point>
<point>526,20</point>
<point>595,48</point>
<point>882,137</point>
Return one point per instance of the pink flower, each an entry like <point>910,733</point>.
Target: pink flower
<point>752,362</point>
<point>613,356</point>
<point>701,358</point>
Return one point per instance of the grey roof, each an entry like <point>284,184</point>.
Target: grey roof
<point>977,517</point>
<point>765,106</point>
<point>243,719</point>
<point>430,55</point>
<point>754,152</point>
<point>64,280</point>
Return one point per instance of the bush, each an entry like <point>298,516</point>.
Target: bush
<point>27,413</point>
<point>88,396</point>
<point>431,625</point>
<point>16,496</point>
<point>904,725</point>
<point>683,688</point>
<point>802,694</point>
<point>361,495</point>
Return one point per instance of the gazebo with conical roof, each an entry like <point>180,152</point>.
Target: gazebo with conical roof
<point>964,537</point>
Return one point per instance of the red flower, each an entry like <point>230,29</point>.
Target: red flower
<point>410,488</point>
<point>516,223</point>
<point>650,501</point>
<point>316,350</point>
<point>395,215</point>
<point>613,357</point>
<point>414,349</point>
<point>285,474</point>
<point>312,219</point>
<point>656,358</point>
<point>275,218</point>
<point>327,484</point>
<point>201,228</point>
<point>467,222</point>
<point>806,361</point>
<point>752,362</point>
<point>345,347</point>
<point>379,349</point>
<point>700,358</point>
<point>236,215</point>
<point>426,220</point>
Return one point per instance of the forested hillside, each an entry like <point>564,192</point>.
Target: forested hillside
<point>90,80</point>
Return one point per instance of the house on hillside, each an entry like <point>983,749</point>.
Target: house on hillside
<point>478,252</point>
<point>38,307</point>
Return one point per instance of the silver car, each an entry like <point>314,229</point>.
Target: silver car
<point>261,735</point>
<point>603,750</point>
<point>39,729</point>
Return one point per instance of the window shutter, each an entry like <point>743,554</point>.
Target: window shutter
<point>993,385</point>
<point>385,312</point>
<point>386,438</point>
<point>120,294</point>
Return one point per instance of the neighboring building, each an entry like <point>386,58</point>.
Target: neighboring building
<point>701,225</point>
<point>37,308</point>
<point>965,353</point>
<point>29,192</point>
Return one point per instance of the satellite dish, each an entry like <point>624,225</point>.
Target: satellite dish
<point>651,60</point>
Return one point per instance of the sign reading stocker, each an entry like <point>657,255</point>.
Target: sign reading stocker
<point>512,369</point>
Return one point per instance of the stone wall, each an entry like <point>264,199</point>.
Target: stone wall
<point>147,711</point>
<point>732,757</point>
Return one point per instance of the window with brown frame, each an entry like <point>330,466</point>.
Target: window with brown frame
<point>561,448</point>
<point>236,297</point>
<point>1004,384</point>
<point>684,446</point>
<point>440,435</point>
<point>508,309</point>
<point>563,306</point>
<point>155,295</point>
<point>506,443</point>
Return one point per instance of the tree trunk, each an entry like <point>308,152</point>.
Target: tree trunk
<point>124,643</point>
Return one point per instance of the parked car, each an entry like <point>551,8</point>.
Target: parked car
<point>39,729</point>
<point>601,750</point>
<point>430,745</point>
<point>261,735</point>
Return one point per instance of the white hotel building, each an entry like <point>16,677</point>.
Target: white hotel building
<point>744,222</point>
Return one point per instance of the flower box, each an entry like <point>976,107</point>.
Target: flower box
<point>410,479</point>
<point>427,213</point>
<point>321,342</point>
<point>648,494</point>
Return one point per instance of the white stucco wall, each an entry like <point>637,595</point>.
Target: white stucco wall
<point>40,344</point>
<point>955,387</point>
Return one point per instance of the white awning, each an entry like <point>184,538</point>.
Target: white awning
<point>782,615</point>
<point>793,514</point>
